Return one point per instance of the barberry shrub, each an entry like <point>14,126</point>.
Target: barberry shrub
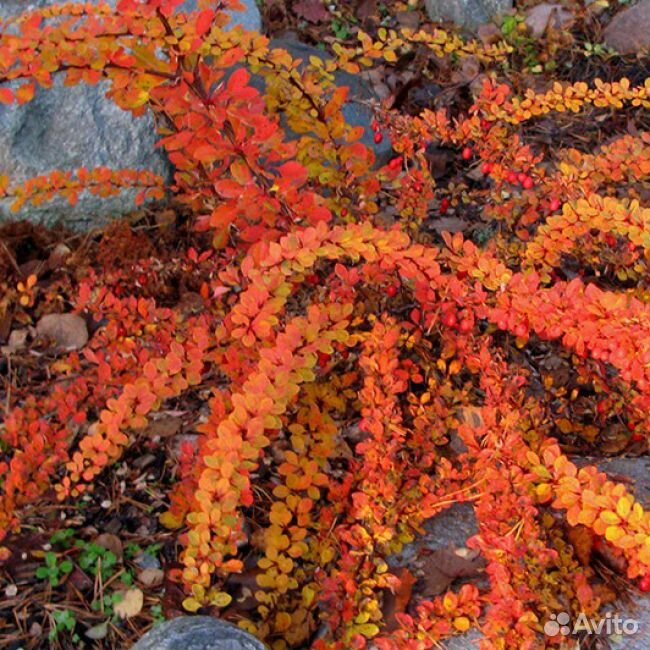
<point>344,344</point>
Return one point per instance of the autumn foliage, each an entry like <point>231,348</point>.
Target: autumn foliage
<point>344,345</point>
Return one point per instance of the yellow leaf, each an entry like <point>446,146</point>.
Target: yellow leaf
<point>367,629</point>
<point>282,622</point>
<point>610,518</point>
<point>191,605</point>
<point>614,533</point>
<point>171,521</point>
<point>543,492</point>
<point>624,507</point>
<point>220,599</point>
<point>461,623</point>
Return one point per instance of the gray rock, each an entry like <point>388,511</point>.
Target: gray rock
<point>451,528</point>
<point>197,633</point>
<point>250,18</point>
<point>541,17</point>
<point>635,470</point>
<point>67,128</point>
<point>629,31</point>
<point>467,13</point>
<point>357,111</point>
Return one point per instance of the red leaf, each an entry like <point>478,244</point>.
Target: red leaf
<point>6,96</point>
<point>238,80</point>
<point>206,153</point>
<point>292,174</point>
<point>204,22</point>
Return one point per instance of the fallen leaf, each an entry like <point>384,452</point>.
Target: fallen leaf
<point>449,224</point>
<point>131,603</point>
<point>406,19</point>
<point>58,256</point>
<point>97,632</point>
<point>443,566</point>
<point>472,416</point>
<point>111,543</point>
<point>67,331</point>
<point>396,602</point>
<point>151,577</point>
<point>17,341</point>
<point>582,540</point>
<point>489,34</point>
<point>165,426</point>
<point>311,10</point>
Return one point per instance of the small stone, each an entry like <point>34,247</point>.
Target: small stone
<point>11,591</point>
<point>197,633</point>
<point>67,331</point>
<point>467,13</point>
<point>629,31</point>
<point>546,15</point>
<point>147,562</point>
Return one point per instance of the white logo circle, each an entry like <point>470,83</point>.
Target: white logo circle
<point>557,625</point>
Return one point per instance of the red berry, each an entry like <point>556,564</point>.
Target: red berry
<point>395,163</point>
<point>511,178</point>
<point>555,205</point>
<point>467,153</point>
<point>528,183</point>
<point>521,177</point>
<point>375,125</point>
<point>449,319</point>
<point>391,292</point>
<point>344,212</point>
<point>487,168</point>
<point>610,240</point>
<point>444,205</point>
<point>602,407</point>
<point>323,358</point>
<point>644,583</point>
<point>313,279</point>
<point>378,138</point>
<point>485,125</point>
<point>466,325</point>
<point>417,187</point>
<point>637,437</point>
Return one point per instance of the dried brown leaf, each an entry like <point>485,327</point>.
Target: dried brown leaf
<point>312,11</point>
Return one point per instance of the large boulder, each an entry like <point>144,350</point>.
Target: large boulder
<point>629,31</point>
<point>469,14</point>
<point>197,633</point>
<point>67,128</point>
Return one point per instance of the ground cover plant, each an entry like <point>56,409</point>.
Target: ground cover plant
<point>310,363</point>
